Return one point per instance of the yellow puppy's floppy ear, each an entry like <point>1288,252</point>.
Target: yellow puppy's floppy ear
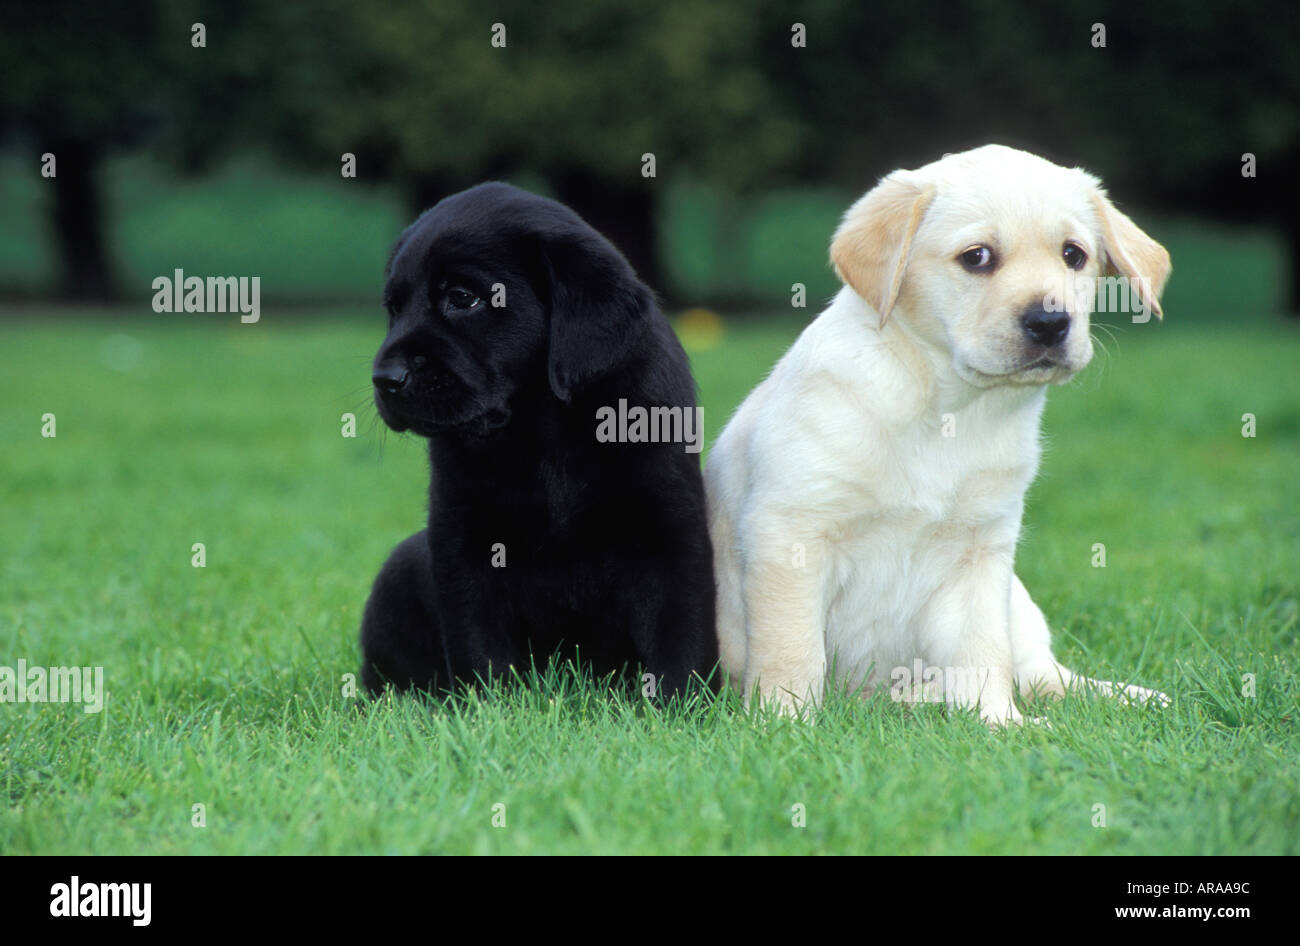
<point>1131,253</point>
<point>871,246</point>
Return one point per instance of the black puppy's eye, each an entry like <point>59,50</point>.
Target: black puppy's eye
<point>460,298</point>
<point>978,259</point>
<point>1074,255</point>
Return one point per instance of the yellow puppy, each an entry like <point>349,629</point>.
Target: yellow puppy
<point>866,499</point>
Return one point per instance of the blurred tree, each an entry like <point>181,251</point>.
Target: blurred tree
<point>420,93</point>
<point>78,82</point>
<point>86,80</point>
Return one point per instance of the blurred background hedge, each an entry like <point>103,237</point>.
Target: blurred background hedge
<point>226,158</point>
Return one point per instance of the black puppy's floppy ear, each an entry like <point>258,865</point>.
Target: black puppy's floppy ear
<point>599,310</point>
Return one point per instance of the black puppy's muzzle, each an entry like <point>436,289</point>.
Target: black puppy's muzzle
<point>390,377</point>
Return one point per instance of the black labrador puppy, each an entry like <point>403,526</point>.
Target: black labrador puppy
<point>515,331</point>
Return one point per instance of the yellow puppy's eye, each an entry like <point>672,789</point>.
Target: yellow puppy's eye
<point>977,258</point>
<point>1073,255</point>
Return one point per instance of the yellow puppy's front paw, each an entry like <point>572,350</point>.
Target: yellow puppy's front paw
<point>1001,717</point>
<point>785,704</point>
<point>1010,716</point>
<point>1140,696</point>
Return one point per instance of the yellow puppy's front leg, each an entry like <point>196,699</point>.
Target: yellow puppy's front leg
<point>784,615</point>
<point>967,638</point>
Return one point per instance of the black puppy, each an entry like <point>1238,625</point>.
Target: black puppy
<point>511,324</point>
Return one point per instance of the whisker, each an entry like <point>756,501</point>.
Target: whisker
<point>1104,361</point>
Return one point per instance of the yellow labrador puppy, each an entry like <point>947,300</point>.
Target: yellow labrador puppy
<point>866,499</point>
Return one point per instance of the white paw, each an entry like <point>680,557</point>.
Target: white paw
<point>1000,718</point>
<point>1003,721</point>
<point>1136,695</point>
<point>786,704</point>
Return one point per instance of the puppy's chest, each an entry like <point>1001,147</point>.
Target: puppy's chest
<point>937,501</point>
<point>960,474</point>
<point>539,517</point>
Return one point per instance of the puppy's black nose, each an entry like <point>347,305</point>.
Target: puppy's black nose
<point>1046,328</point>
<point>390,378</point>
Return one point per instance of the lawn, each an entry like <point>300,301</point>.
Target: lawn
<point>227,681</point>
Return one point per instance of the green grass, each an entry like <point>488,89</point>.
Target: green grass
<point>226,681</point>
